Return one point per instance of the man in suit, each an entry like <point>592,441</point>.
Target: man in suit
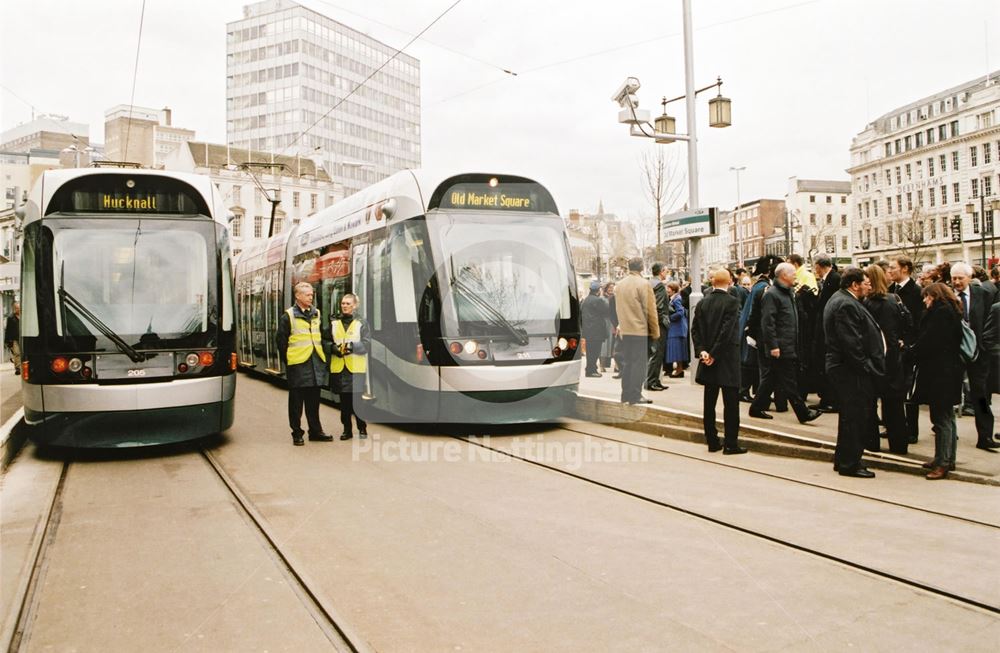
<point>855,361</point>
<point>715,332</point>
<point>908,291</point>
<point>779,331</point>
<point>828,279</point>
<point>594,326</point>
<point>736,290</point>
<point>975,301</point>
<point>658,347</point>
<point>635,307</point>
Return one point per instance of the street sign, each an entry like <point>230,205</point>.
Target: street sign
<point>688,224</point>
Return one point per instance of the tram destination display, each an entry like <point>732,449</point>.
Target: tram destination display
<point>482,193</point>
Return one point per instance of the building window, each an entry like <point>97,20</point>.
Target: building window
<point>918,139</point>
<point>888,205</point>
<point>973,159</point>
<point>930,196</point>
<point>258,225</point>
<point>313,199</point>
<point>930,136</point>
<point>909,172</point>
<point>975,188</point>
<point>954,194</point>
<point>944,225</point>
<point>975,222</point>
<point>944,195</point>
<point>899,203</point>
<point>899,178</point>
<point>930,167</point>
<point>899,231</point>
<point>888,178</point>
<point>843,198</point>
<point>909,201</point>
<point>829,218</point>
<point>876,241</point>
<point>237,190</point>
<point>295,199</point>
<point>920,197</point>
<point>812,219</point>
<point>279,224</point>
<point>954,160</point>
<point>812,199</point>
<point>987,186</point>
<point>942,132</point>
<point>908,143</point>
<point>987,153</point>
<point>843,243</point>
<point>888,149</point>
<point>237,227</point>
<point>943,160</point>
<point>843,220</point>
<point>954,129</point>
<point>829,199</point>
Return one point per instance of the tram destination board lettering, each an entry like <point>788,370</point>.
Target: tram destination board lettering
<point>128,203</point>
<point>489,199</point>
<point>688,224</point>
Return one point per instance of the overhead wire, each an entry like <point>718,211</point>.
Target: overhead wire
<point>135,76</point>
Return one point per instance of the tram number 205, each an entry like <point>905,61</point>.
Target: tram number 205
<point>137,372</point>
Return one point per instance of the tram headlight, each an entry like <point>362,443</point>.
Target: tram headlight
<point>75,364</point>
<point>562,344</point>
<point>471,346</point>
<point>191,360</point>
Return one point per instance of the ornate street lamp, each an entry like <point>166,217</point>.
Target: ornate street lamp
<point>720,110</point>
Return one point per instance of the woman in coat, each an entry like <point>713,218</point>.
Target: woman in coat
<point>892,317</point>
<point>677,343</point>
<point>939,372</point>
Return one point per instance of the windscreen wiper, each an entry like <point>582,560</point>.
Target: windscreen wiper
<point>492,316</point>
<point>76,305</point>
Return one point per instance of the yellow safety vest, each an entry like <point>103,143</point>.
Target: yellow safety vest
<point>304,339</point>
<point>356,363</point>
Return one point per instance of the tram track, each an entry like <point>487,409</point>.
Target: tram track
<point>341,636</point>
<point>790,479</point>
<point>27,593</point>
<point>752,532</point>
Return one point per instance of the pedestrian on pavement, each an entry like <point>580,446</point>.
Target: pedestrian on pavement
<point>678,357</point>
<point>908,290</point>
<point>658,347</point>
<point>302,340</point>
<point>12,336</point>
<point>779,338</point>
<point>715,331</point>
<point>594,326</point>
<point>737,289</point>
<point>828,280</point>
<point>611,344</point>
<point>896,324</point>
<point>855,363</point>
<point>349,363</point>
<point>750,370</point>
<point>975,302</point>
<point>980,275</point>
<point>939,372</point>
<point>635,307</point>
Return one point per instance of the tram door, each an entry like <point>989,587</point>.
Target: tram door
<point>359,286</point>
<point>374,313</point>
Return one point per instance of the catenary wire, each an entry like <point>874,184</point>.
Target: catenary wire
<point>135,76</point>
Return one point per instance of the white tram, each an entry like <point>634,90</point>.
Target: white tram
<point>466,283</point>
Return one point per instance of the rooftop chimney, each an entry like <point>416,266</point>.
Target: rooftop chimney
<point>166,116</point>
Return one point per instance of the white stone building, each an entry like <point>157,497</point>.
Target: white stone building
<point>288,66</point>
<point>302,187</point>
<point>820,218</point>
<point>150,133</point>
<point>919,173</point>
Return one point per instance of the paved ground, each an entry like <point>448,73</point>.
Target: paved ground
<point>686,396</point>
<point>429,543</point>
<point>10,392</point>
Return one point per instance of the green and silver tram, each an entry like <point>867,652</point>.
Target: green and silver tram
<point>128,325</point>
<point>465,281</point>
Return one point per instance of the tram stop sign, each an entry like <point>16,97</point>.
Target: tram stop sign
<point>688,224</point>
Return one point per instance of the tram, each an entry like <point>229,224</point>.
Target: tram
<point>466,283</point>
<point>128,326</point>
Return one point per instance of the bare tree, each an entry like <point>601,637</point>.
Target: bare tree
<point>662,182</point>
<point>913,240</point>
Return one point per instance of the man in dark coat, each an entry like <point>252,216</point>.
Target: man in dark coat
<point>976,303</point>
<point>302,341</point>
<point>12,337</point>
<point>779,327</point>
<point>908,290</point>
<point>348,363</point>
<point>750,371</point>
<point>658,347</point>
<point>715,332</point>
<point>855,362</point>
<point>828,279</point>
<point>594,312</point>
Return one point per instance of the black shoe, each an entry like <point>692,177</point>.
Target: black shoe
<point>593,375</point>
<point>759,414</point>
<point>655,387</point>
<point>362,433</point>
<point>321,437</point>
<point>297,440</point>
<point>734,451</point>
<point>347,436</point>
<point>913,439</point>
<point>992,447</point>
<point>859,472</point>
<point>746,398</point>
<point>810,416</point>
<point>712,448</point>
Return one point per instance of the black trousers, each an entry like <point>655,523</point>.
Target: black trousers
<point>593,353</point>
<point>347,400</point>
<point>856,416</point>
<point>749,376</point>
<point>297,397</point>
<point>635,355</point>
<point>657,353</point>
<point>730,415</point>
<point>780,377</point>
<point>981,399</point>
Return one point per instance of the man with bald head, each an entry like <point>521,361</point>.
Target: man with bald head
<point>715,332</point>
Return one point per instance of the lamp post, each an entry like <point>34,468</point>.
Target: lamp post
<point>739,236</point>
<point>970,208</point>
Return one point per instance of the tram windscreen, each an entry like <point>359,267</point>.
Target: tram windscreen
<point>148,281</point>
<point>512,275</point>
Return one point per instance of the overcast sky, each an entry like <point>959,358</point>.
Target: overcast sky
<point>804,76</point>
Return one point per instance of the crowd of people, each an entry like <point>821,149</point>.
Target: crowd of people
<point>872,343</point>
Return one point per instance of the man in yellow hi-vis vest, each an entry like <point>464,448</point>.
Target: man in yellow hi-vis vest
<point>349,363</point>
<point>302,340</point>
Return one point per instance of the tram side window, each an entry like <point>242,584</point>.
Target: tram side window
<point>379,277</point>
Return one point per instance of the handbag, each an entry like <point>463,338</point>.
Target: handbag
<point>968,346</point>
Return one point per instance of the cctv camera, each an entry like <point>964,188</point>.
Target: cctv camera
<point>628,87</point>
